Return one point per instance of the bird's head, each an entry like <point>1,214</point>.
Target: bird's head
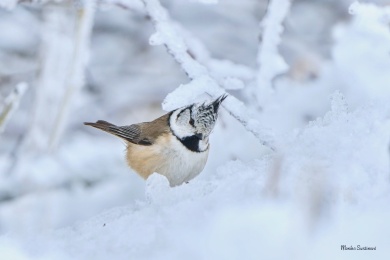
<point>196,120</point>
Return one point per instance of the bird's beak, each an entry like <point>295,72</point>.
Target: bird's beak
<point>200,136</point>
<point>218,101</point>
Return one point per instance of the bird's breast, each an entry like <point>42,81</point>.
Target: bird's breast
<point>166,156</point>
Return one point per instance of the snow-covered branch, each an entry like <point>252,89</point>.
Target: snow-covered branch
<point>11,103</point>
<point>269,61</point>
<point>228,74</point>
<point>202,82</point>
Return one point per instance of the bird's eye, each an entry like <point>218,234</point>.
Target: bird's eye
<point>192,122</point>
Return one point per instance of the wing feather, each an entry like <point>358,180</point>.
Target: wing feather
<point>143,133</point>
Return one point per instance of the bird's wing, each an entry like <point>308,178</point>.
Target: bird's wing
<point>142,133</point>
<point>131,133</point>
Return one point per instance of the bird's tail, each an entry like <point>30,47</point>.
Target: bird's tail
<point>130,133</point>
<point>103,125</point>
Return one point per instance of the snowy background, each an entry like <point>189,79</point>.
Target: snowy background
<point>310,79</point>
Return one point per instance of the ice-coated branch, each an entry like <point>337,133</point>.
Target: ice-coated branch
<point>202,82</point>
<point>11,103</point>
<point>269,61</point>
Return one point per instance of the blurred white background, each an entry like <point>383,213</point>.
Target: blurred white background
<point>65,189</point>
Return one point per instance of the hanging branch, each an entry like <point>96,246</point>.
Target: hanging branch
<point>202,82</point>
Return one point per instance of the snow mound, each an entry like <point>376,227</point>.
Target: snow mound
<point>331,177</point>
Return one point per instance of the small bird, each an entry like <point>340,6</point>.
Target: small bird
<point>175,145</point>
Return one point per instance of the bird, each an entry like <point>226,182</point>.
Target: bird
<point>175,145</point>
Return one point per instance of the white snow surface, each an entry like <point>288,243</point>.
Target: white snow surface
<point>323,191</point>
<point>326,185</point>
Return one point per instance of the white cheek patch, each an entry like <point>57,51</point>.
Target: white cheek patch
<point>180,129</point>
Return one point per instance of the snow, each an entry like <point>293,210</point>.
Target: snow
<point>233,213</point>
<point>326,183</point>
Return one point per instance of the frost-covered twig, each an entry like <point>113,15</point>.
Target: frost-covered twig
<point>269,61</point>
<point>55,55</point>
<point>64,53</point>
<point>167,34</point>
<point>80,57</point>
<point>11,103</point>
<point>228,74</point>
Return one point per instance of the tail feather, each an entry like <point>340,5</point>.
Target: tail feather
<point>105,126</point>
<point>129,133</point>
<point>102,125</point>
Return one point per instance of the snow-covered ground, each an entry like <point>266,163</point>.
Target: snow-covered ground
<point>68,194</point>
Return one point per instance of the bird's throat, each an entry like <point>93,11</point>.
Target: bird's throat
<point>191,143</point>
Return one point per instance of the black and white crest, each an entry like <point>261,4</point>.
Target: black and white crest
<point>193,124</point>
